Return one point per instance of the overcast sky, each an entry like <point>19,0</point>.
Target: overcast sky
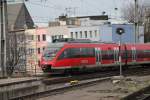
<point>47,10</point>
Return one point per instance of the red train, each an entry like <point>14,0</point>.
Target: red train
<point>60,57</point>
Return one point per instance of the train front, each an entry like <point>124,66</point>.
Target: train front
<point>49,56</point>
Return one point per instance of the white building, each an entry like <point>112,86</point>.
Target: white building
<point>85,27</point>
<point>85,32</point>
<point>95,28</point>
<point>105,33</point>
<point>57,32</point>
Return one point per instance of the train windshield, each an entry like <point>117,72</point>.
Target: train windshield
<point>50,53</point>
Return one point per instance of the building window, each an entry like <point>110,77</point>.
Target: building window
<point>39,51</point>
<point>71,34</point>
<point>85,34</point>
<point>43,48</point>
<point>55,37</point>
<point>76,35</point>
<point>52,38</point>
<point>80,34</point>
<point>60,36</point>
<point>90,34</point>
<point>44,37</point>
<point>30,51</point>
<point>39,63</point>
<point>38,37</point>
<point>30,37</point>
<point>95,33</point>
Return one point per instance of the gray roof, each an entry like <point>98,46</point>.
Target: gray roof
<point>18,16</point>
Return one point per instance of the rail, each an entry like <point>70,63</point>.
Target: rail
<point>143,94</point>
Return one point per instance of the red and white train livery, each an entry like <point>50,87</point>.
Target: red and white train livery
<point>66,56</point>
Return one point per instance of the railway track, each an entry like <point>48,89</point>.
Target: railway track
<point>61,89</point>
<point>143,94</point>
<point>52,86</point>
<point>99,74</point>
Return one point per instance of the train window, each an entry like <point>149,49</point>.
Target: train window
<point>129,53</point>
<point>143,54</point>
<point>147,53</point>
<point>74,53</point>
<point>124,54</point>
<point>140,54</point>
<point>81,52</point>
<point>77,53</point>
<point>65,54</point>
<point>87,52</point>
<point>50,53</point>
<point>107,55</point>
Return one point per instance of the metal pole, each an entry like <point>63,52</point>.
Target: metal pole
<point>36,35</point>
<point>3,32</point>
<point>135,19</point>
<point>120,59</point>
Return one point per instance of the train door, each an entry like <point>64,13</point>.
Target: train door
<point>133,54</point>
<point>98,56</point>
<point>116,55</point>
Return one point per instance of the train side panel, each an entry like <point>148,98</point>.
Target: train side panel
<point>75,56</point>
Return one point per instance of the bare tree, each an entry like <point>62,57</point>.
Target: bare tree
<point>147,25</point>
<point>143,16</point>
<point>17,52</point>
<point>128,12</point>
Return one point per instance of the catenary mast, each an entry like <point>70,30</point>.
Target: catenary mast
<point>3,31</point>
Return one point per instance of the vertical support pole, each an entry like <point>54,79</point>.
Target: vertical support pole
<point>36,35</point>
<point>3,32</point>
<point>136,20</point>
<point>120,58</point>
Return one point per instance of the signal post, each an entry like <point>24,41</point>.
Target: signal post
<point>120,31</point>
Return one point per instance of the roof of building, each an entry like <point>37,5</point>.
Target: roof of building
<point>96,17</point>
<point>19,17</point>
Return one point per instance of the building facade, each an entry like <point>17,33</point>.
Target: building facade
<point>36,43</point>
<point>85,32</point>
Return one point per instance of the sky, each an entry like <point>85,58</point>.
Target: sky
<point>47,10</point>
<point>43,11</point>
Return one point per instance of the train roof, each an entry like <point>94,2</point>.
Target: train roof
<point>62,42</point>
<point>81,41</point>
